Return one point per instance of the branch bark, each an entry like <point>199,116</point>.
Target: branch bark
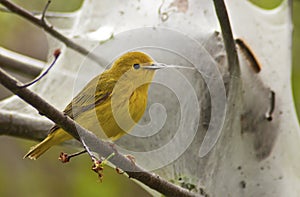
<point>20,63</point>
<point>16,125</point>
<point>229,42</point>
<point>95,144</point>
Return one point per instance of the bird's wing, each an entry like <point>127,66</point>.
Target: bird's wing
<point>93,94</point>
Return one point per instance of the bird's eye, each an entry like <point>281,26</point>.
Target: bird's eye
<point>136,66</point>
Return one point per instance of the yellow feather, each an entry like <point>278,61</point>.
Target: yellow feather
<point>93,107</point>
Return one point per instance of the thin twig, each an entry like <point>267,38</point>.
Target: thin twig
<point>56,55</point>
<point>65,158</point>
<point>98,146</point>
<point>49,28</point>
<point>44,11</point>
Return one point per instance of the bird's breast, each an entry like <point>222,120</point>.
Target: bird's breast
<point>118,114</point>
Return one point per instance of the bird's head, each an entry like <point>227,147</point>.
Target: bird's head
<point>135,66</point>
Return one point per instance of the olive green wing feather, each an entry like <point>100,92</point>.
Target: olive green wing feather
<point>93,94</point>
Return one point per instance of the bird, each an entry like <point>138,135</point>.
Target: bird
<point>105,103</point>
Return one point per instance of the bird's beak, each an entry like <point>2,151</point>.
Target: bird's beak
<point>155,66</point>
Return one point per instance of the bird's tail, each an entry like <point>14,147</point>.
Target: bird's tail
<point>52,139</point>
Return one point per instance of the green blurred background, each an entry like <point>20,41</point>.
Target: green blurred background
<point>47,176</point>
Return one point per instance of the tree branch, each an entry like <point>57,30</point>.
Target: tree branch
<point>229,42</point>
<point>50,29</point>
<point>93,143</point>
<point>20,63</point>
<point>27,127</point>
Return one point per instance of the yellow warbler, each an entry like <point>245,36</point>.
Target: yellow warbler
<point>93,105</point>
